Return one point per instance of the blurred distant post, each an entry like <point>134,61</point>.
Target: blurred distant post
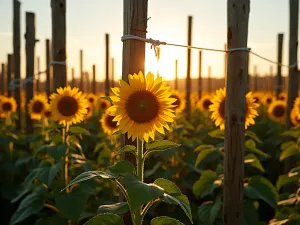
<point>209,89</point>
<point>94,80</point>
<point>48,69</point>
<point>176,75</point>
<point>107,86</point>
<point>112,72</point>
<point>9,73</point>
<point>270,80</point>
<point>81,69</point>
<point>279,60</point>
<point>255,76</point>
<point>158,59</point>
<point>200,75</point>
<point>37,84</point>
<point>188,72</point>
<point>73,77</point>
<point>3,80</point>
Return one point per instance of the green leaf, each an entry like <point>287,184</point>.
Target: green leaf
<point>217,134</point>
<point>289,151</point>
<point>173,195</point>
<point>260,188</point>
<point>105,219</point>
<point>291,133</point>
<point>30,205</point>
<point>203,154</point>
<point>204,147</point>
<point>140,193</point>
<point>160,145</point>
<point>164,220</point>
<point>53,171</point>
<point>89,175</point>
<point>251,146</point>
<point>204,212</point>
<point>253,136</point>
<point>250,213</point>
<point>215,209</point>
<point>285,180</point>
<point>128,148</point>
<point>117,208</point>
<point>254,162</point>
<point>122,168</point>
<point>287,144</point>
<point>79,130</point>
<point>205,185</point>
<point>57,152</point>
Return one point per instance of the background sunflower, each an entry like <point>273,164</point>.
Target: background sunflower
<point>179,104</point>
<point>204,103</point>
<point>277,111</point>
<point>108,125</point>
<point>8,105</point>
<point>37,106</point>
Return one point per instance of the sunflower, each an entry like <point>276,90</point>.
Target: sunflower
<point>143,106</point>
<point>179,104</point>
<point>37,106</point>
<point>92,99</point>
<point>89,109</point>
<point>297,107</point>
<point>277,111</point>
<point>104,104</point>
<point>218,109</point>
<point>108,125</point>
<point>68,105</point>
<point>7,105</point>
<point>294,119</point>
<point>268,99</point>
<point>204,103</point>
<point>282,96</point>
<point>257,96</point>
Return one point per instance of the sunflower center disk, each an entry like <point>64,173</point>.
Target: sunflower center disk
<point>7,106</point>
<point>142,106</point>
<point>91,100</point>
<point>67,106</point>
<point>269,100</point>
<point>278,111</point>
<point>206,104</point>
<point>222,109</point>
<point>109,121</point>
<point>37,107</point>
<point>177,102</point>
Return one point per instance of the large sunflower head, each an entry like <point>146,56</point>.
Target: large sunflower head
<point>294,118</point>
<point>108,125</point>
<point>277,111</point>
<point>68,105</point>
<point>204,103</point>
<point>268,99</point>
<point>179,104</point>
<point>218,109</point>
<point>143,106</point>
<point>37,106</point>
<point>7,105</point>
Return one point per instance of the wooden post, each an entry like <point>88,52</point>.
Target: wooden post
<point>30,45</point>
<point>59,43</point>
<point>200,75</point>
<point>248,75</point>
<point>37,82</point>
<point>176,74</point>
<point>81,69</point>
<point>107,86</point>
<point>279,60</point>
<point>112,72</point>
<point>73,77</point>
<point>209,80</point>
<point>235,112</point>
<point>135,17</point>
<point>188,71</point>
<point>48,69</point>
<point>17,56</point>
<point>9,74</point>
<point>94,87</point>
<point>255,83</point>
<point>3,80</point>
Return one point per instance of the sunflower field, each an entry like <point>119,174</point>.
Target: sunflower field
<point>71,169</point>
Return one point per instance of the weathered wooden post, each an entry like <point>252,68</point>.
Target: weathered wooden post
<point>38,81</point>
<point>59,43</point>
<point>188,72</point>
<point>176,74</point>
<point>94,90</point>
<point>81,69</point>
<point>235,111</point>
<point>112,72</point>
<point>255,83</point>
<point>3,80</point>
<point>135,17</point>
<point>30,45</point>
<point>9,74</point>
<point>279,60</point>
<point>209,80</point>
<point>17,57</point>
<point>200,75</point>
<point>48,69</point>
<point>107,86</point>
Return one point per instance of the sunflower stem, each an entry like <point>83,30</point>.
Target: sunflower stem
<point>66,158</point>
<point>138,218</point>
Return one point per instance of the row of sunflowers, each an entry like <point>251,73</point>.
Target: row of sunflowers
<point>49,175</point>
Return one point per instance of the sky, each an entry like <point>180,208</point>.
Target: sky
<point>88,21</point>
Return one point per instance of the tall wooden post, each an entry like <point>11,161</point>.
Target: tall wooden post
<point>94,90</point>
<point>81,69</point>
<point>200,75</point>
<point>38,81</point>
<point>279,59</point>
<point>135,17</point>
<point>30,45</point>
<point>112,72</point>
<point>3,80</point>
<point>9,74</point>
<point>17,56</point>
<point>48,69</point>
<point>59,43</point>
<point>255,83</point>
<point>176,74</point>
<point>209,80</point>
<point>107,86</point>
<point>235,112</point>
<point>188,71</point>
<point>73,77</point>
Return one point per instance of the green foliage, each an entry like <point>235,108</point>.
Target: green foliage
<point>105,219</point>
<point>164,220</point>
